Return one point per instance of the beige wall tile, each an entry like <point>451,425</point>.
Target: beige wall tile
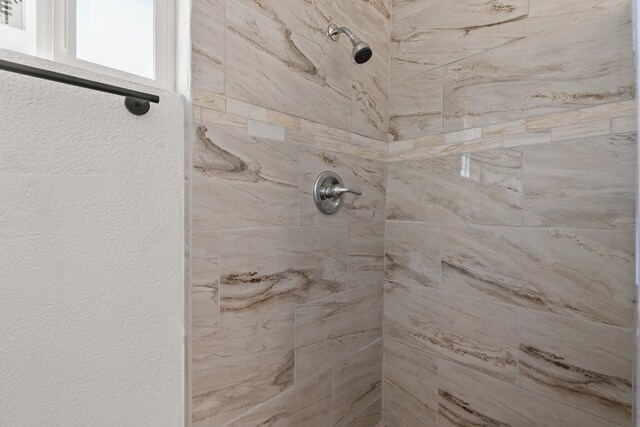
<point>583,364</point>
<point>205,255</point>
<point>208,99</point>
<point>366,254</point>
<point>492,86</point>
<point>505,128</point>
<point>289,40</point>
<point>624,124</point>
<point>265,130</point>
<point>527,138</point>
<point>256,179</point>
<point>395,146</point>
<point>281,119</point>
<point>412,253</point>
<point>265,274</point>
<point>582,115</point>
<point>370,98</point>
<point>306,404</point>
<point>263,56</point>
<point>225,121</point>
<point>244,109</point>
<point>207,34</point>
<point>582,273</point>
<point>357,382</point>
<point>463,135</point>
<point>481,188</point>
<point>429,141</point>
<point>480,335</point>
<point>369,417</point>
<point>330,329</point>
<point>470,398</point>
<point>588,183</point>
<point>582,130</point>
<point>356,172</point>
<point>430,34</point>
<point>410,386</point>
<point>415,105</point>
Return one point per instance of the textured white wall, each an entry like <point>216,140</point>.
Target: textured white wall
<point>91,257</point>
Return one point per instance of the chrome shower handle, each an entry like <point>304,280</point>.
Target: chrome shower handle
<point>337,191</point>
<point>328,192</point>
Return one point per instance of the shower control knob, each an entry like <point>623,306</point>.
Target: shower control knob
<point>329,191</point>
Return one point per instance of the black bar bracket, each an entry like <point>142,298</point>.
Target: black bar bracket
<point>136,102</point>
<point>135,106</point>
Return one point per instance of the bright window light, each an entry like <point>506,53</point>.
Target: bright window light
<point>118,34</point>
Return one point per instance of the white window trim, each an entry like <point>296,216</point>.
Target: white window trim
<point>52,34</point>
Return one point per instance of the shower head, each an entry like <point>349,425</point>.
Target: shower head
<point>361,50</point>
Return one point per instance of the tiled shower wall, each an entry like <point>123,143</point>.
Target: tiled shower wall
<point>276,54</point>
<point>509,264</point>
<point>509,295</point>
<point>286,302</point>
<point>465,64</point>
<point>509,239</point>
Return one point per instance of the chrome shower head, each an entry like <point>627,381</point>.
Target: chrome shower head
<point>361,50</point>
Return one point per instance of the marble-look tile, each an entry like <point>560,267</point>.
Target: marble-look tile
<point>581,273</point>
<point>415,105</point>
<point>412,253</point>
<point>430,34</point>
<point>296,45</point>
<point>244,109</point>
<point>370,102</point>
<point>307,404</point>
<point>255,178</point>
<point>208,99</point>
<point>480,335</point>
<point>552,7</point>
<point>468,398</point>
<point>208,45</point>
<point>236,368</point>
<point>583,364</point>
<point>410,386</point>
<point>330,329</point>
<point>205,255</point>
<point>581,130</point>
<point>356,172</point>
<point>527,138</point>
<point>264,275</point>
<point>369,417</point>
<point>493,86</point>
<point>357,382</point>
<point>479,188</point>
<point>287,121</point>
<point>624,124</point>
<point>223,121</point>
<point>588,183</point>
<point>463,135</point>
<point>269,65</point>
<point>265,130</point>
<point>429,141</point>
<point>582,115</point>
<point>505,128</point>
<point>364,141</point>
<point>366,254</point>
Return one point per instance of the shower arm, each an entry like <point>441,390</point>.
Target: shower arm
<point>334,33</point>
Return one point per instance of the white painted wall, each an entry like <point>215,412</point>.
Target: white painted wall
<point>91,257</point>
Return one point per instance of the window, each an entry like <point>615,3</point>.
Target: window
<point>130,39</point>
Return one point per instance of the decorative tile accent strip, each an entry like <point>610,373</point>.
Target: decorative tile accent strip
<point>227,113</point>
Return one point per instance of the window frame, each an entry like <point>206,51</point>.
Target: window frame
<point>55,39</point>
